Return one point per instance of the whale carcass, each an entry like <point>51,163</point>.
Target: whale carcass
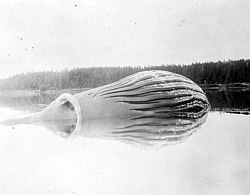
<point>149,108</point>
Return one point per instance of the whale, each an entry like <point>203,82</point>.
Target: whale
<point>148,108</point>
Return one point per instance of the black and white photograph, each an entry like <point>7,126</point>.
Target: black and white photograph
<point>117,97</point>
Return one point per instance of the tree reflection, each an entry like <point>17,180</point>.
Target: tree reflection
<point>228,100</point>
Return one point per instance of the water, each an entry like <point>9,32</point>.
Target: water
<point>213,160</point>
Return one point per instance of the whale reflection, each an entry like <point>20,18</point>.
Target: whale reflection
<point>157,132</point>
<point>151,108</point>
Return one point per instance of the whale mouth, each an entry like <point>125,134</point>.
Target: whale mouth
<point>71,120</point>
<point>63,116</point>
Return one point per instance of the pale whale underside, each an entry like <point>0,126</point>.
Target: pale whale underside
<point>170,107</point>
<point>146,108</point>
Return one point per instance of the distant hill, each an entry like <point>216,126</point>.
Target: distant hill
<point>221,72</point>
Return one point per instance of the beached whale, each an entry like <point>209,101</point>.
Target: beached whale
<point>149,108</point>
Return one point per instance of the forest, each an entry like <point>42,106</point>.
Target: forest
<point>221,72</point>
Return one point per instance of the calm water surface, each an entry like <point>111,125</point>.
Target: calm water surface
<point>214,160</point>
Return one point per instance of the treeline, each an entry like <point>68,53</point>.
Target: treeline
<point>221,72</point>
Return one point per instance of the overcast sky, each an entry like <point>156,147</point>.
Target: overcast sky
<point>53,35</point>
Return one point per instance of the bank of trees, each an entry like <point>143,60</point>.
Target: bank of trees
<point>202,73</point>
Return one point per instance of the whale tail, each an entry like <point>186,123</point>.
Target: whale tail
<point>17,121</point>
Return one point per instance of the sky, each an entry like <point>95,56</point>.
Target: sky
<point>54,35</point>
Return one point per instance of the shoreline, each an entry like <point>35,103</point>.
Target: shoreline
<point>229,86</point>
<point>36,92</point>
